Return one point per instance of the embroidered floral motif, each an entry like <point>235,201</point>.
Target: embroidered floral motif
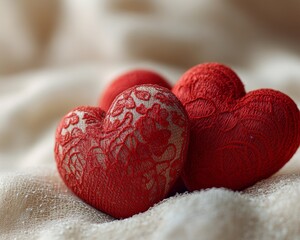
<point>127,160</point>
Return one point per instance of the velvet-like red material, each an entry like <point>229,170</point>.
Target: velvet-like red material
<point>128,80</point>
<point>125,161</point>
<point>236,139</point>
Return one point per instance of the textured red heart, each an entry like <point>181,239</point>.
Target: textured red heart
<point>236,139</point>
<point>127,160</point>
<point>128,80</point>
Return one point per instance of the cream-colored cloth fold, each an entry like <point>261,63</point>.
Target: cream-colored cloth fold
<point>56,55</point>
<point>37,205</point>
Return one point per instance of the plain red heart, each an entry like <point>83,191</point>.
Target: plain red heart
<point>124,161</point>
<point>127,80</point>
<point>236,139</point>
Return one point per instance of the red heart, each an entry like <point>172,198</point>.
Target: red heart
<point>127,160</point>
<point>236,139</point>
<point>128,80</point>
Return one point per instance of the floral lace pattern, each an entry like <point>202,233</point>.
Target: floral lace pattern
<point>127,160</point>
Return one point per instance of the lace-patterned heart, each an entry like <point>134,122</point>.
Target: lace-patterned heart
<point>236,138</point>
<point>124,161</point>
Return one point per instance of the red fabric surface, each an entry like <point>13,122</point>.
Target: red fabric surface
<point>236,139</point>
<point>128,80</point>
<point>127,160</point>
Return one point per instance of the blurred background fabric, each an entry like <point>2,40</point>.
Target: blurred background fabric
<point>56,55</point>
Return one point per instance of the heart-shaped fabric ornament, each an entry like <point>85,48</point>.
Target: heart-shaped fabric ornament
<point>128,80</point>
<point>236,139</point>
<point>124,161</point>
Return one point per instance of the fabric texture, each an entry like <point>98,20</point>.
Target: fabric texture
<point>124,161</point>
<point>128,80</point>
<point>237,138</point>
<point>57,55</point>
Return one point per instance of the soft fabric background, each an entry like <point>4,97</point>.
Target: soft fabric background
<point>56,55</point>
